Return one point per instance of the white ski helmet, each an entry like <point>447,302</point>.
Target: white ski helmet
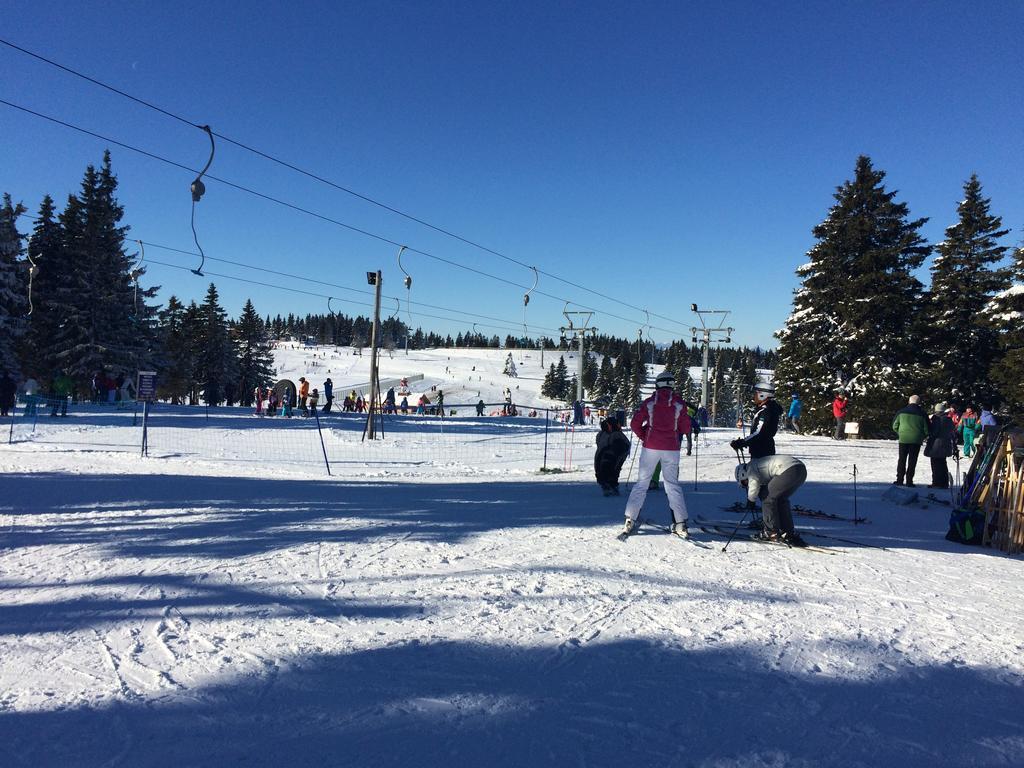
<point>742,474</point>
<point>763,391</point>
<point>664,379</point>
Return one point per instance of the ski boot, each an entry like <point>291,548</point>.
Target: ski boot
<point>793,539</point>
<point>681,530</point>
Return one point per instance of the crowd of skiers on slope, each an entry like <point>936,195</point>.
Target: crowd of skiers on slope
<point>57,391</point>
<point>661,423</point>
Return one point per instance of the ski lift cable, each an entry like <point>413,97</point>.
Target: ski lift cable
<point>136,273</point>
<point>306,211</point>
<point>526,300</point>
<point>311,293</point>
<point>327,284</point>
<point>32,270</point>
<point>407,281</point>
<point>198,189</point>
<point>321,179</point>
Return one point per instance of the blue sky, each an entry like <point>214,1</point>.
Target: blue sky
<point>663,153</point>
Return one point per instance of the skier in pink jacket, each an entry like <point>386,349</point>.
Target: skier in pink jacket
<point>659,423</point>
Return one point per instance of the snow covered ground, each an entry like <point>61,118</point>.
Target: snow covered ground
<point>215,611</point>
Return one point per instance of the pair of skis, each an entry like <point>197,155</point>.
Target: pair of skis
<point>663,528</point>
<point>718,529</point>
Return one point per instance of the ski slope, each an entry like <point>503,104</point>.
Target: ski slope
<point>197,612</point>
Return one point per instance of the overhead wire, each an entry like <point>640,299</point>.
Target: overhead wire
<point>335,185</point>
<point>308,212</point>
<point>316,295</point>
<point>137,272</point>
<point>328,284</point>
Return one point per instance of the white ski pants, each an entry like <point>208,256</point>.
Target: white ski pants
<point>670,477</point>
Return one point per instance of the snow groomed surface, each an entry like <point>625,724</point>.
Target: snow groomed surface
<point>175,611</point>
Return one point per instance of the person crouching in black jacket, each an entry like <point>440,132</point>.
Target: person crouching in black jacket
<point>612,450</point>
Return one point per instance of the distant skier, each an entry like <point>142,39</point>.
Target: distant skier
<point>612,450</point>
<point>62,389</point>
<point>8,394</point>
<point>988,425</point>
<point>303,395</point>
<point>911,428</point>
<point>774,479</point>
<point>577,413</point>
<point>259,395</point>
<point>314,397</point>
<point>328,395</point>
<point>969,424</point>
<point>439,402</point>
<point>480,408</point>
<point>660,422</point>
<point>940,446</point>
<point>761,440</point>
<point>702,417</point>
<point>389,401</point>
<point>796,407</point>
<point>840,408</point>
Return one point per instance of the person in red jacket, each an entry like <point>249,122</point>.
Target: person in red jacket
<point>659,423</point>
<point>839,408</point>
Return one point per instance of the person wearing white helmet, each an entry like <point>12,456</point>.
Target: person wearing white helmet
<point>761,440</point>
<point>774,479</point>
<point>659,423</point>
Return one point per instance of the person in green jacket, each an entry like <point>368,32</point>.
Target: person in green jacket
<point>911,427</point>
<point>62,386</point>
<point>969,426</point>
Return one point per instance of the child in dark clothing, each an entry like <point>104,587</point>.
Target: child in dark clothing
<point>612,450</point>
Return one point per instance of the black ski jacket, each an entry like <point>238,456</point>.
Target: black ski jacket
<point>761,440</point>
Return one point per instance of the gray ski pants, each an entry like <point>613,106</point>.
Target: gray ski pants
<point>776,509</point>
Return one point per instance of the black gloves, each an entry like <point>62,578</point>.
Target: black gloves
<point>751,505</point>
<point>737,444</point>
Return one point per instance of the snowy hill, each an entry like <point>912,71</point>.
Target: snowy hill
<point>438,601</point>
<point>465,375</point>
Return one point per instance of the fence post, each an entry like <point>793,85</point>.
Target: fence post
<point>14,411</point>
<point>145,429</point>
<point>547,421</point>
<point>319,431</point>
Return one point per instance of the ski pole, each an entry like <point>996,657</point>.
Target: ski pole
<point>736,529</point>
<point>696,461</point>
<point>631,463</point>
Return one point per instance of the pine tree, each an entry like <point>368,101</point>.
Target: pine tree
<point>217,364</point>
<point>550,387</point>
<point>510,366</point>
<point>45,250</point>
<point>1006,313</point>
<point>103,323</point>
<point>175,373</point>
<point>590,374</point>
<point>13,303</point>
<point>255,359</point>
<point>962,345</point>
<point>853,317</point>
<point>605,385</point>
<point>561,382</point>
<point>571,386</point>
